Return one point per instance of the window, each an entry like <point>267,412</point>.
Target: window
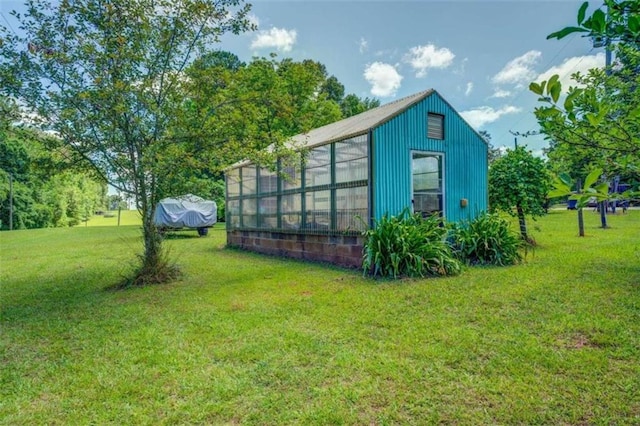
<point>249,210</point>
<point>435,126</point>
<point>351,208</point>
<point>291,208</point>
<point>427,183</point>
<point>268,181</point>
<point>233,183</point>
<point>268,209</point>
<point>233,213</point>
<point>318,206</point>
<point>328,193</point>
<point>351,160</point>
<point>248,180</point>
<point>291,177</point>
<point>318,167</point>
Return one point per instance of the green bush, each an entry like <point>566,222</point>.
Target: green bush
<point>486,240</point>
<point>408,245</point>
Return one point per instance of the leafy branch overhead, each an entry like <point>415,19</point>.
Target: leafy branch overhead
<point>620,22</point>
<point>563,187</point>
<point>599,114</point>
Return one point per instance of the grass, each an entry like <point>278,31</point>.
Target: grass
<point>250,339</point>
<point>110,218</point>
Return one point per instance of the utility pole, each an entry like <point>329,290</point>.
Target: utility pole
<point>606,43</point>
<point>524,135</point>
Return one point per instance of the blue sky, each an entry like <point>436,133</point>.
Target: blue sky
<point>479,55</point>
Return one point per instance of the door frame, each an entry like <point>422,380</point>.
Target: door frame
<point>443,184</point>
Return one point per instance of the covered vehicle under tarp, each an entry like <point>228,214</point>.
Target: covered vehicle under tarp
<point>188,211</point>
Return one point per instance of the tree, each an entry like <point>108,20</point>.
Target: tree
<point>493,153</point>
<point>238,112</point>
<point>47,189</point>
<point>598,122</point>
<point>563,187</point>
<point>107,76</point>
<point>352,105</point>
<point>621,23</point>
<point>518,185</point>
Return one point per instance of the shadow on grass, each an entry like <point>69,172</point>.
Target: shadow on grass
<point>180,236</point>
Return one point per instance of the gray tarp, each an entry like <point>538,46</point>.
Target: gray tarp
<point>188,211</point>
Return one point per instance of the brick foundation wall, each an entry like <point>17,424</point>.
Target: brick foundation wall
<point>337,249</point>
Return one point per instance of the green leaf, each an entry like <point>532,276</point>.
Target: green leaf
<point>598,21</point>
<point>535,88</point>
<point>565,32</point>
<point>555,193</point>
<point>582,12</point>
<point>568,103</point>
<point>593,119</point>
<point>566,179</point>
<point>634,24</point>
<point>553,80</point>
<point>555,91</point>
<point>603,188</point>
<point>592,178</point>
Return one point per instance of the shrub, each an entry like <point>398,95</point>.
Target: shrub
<point>486,240</point>
<point>408,245</point>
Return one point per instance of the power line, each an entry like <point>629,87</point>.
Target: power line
<point>8,24</point>
<point>524,135</point>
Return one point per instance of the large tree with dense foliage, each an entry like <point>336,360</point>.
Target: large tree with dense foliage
<point>234,110</point>
<point>518,185</point>
<point>107,75</point>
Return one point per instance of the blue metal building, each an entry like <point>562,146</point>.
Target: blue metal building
<point>416,152</point>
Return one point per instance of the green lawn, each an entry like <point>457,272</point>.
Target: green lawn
<point>110,218</point>
<point>250,339</point>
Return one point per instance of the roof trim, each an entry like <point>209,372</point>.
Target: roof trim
<point>350,127</point>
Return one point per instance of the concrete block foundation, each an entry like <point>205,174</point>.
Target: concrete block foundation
<point>342,250</point>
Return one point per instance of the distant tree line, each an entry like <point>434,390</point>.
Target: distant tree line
<point>46,191</point>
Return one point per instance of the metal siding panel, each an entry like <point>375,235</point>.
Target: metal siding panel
<point>465,156</point>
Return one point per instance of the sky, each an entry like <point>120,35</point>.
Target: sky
<point>480,55</point>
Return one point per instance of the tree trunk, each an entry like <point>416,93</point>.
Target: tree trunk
<point>523,224</point>
<point>603,213</point>
<point>155,267</point>
<point>580,217</point>
<point>580,223</point>
<point>152,241</point>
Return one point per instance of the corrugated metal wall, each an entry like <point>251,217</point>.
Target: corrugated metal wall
<point>465,161</point>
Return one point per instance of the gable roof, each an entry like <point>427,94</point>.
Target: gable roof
<point>358,124</point>
<point>353,126</point>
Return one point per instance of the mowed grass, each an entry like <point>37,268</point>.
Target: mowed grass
<point>110,218</point>
<point>250,339</point>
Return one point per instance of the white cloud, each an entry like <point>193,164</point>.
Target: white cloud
<point>363,45</point>
<point>499,93</point>
<point>253,19</point>
<point>480,116</point>
<point>469,89</point>
<point>572,65</point>
<point>421,58</point>
<point>518,70</point>
<point>280,38</point>
<point>384,79</point>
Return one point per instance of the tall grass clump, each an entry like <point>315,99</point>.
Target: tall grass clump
<point>408,245</point>
<point>486,240</point>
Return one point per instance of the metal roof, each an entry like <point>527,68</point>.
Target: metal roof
<point>357,124</point>
<point>353,126</point>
